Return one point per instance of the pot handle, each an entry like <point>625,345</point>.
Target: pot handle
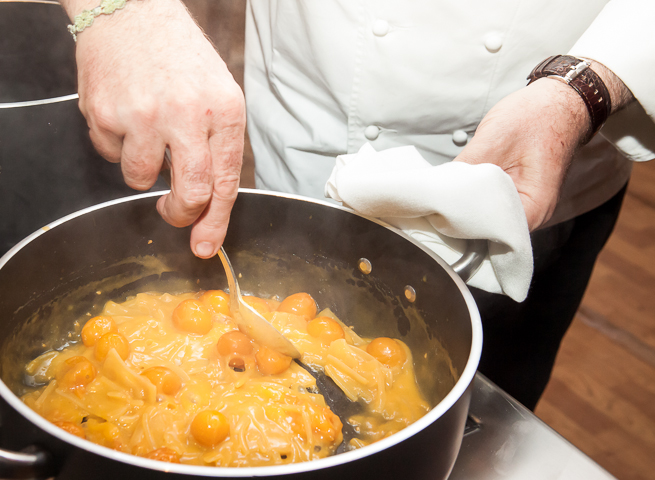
<point>31,463</point>
<point>469,263</point>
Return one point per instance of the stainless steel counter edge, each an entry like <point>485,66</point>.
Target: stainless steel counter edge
<point>511,443</point>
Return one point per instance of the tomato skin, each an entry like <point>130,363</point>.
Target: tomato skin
<point>270,362</point>
<point>299,304</point>
<point>96,328</point>
<point>325,329</point>
<point>234,342</point>
<point>387,351</point>
<point>76,372</point>
<point>216,301</point>
<point>209,428</point>
<point>237,348</point>
<point>109,341</point>
<point>192,316</point>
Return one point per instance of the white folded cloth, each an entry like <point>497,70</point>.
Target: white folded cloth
<point>440,206</point>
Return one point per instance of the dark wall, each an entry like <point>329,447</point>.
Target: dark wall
<point>48,166</point>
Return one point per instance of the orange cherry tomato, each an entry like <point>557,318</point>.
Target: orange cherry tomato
<point>234,342</point>
<point>299,304</point>
<point>164,379</point>
<point>270,362</point>
<point>217,301</point>
<point>75,372</point>
<point>72,428</point>
<point>325,329</point>
<point>210,428</point>
<point>258,304</point>
<point>326,424</point>
<point>96,328</point>
<point>387,351</point>
<point>109,341</point>
<point>192,316</point>
<point>238,347</point>
<point>164,454</point>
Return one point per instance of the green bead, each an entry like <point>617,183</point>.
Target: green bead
<point>110,6</point>
<point>86,18</point>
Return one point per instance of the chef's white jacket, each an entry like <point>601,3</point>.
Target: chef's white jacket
<point>322,77</point>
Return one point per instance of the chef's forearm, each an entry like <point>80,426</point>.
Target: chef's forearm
<point>149,79</point>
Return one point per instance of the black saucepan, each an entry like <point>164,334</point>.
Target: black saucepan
<point>370,275</point>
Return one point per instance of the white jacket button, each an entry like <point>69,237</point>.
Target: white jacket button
<point>372,132</point>
<point>493,42</point>
<point>460,137</point>
<point>380,28</point>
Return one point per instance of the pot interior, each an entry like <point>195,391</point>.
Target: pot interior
<point>279,246</point>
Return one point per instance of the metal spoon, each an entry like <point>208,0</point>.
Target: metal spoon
<point>247,319</point>
<point>250,321</point>
<point>261,331</point>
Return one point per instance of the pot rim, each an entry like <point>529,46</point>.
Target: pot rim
<point>36,103</point>
<point>436,412</point>
<point>42,101</point>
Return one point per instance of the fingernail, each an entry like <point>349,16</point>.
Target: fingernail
<point>204,249</point>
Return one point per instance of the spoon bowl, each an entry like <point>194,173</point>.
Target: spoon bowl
<point>251,322</point>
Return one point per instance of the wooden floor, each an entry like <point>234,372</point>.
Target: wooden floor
<point>602,394</point>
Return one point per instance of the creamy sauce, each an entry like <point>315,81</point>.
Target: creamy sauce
<point>105,392</point>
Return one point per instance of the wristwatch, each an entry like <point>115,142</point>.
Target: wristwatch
<point>577,73</point>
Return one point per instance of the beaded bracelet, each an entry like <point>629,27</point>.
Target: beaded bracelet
<point>86,18</point>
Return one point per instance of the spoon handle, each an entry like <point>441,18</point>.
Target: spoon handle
<point>235,292</point>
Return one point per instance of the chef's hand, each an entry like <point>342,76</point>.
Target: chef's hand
<point>149,78</point>
<point>532,135</point>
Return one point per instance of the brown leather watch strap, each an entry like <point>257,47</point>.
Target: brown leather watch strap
<point>577,73</point>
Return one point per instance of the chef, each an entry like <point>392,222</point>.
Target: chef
<point>323,78</point>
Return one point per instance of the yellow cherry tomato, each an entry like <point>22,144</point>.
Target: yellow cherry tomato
<point>109,341</point>
<point>258,304</point>
<point>270,362</point>
<point>164,379</point>
<point>234,342</point>
<point>96,328</point>
<point>104,433</point>
<point>299,304</point>
<point>387,351</point>
<point>164,454</point>
<point>217,301</point>
<point>210,428</point>
<point>75,372</point>
<point>71,427</point>
<point>192,316</point>
<point>325,329</point>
